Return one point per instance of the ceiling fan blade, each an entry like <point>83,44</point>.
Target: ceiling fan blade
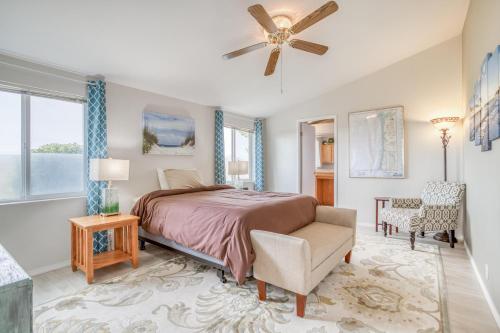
<point>327,9</point>
<point>259,13</point>
<point>244,50</point>
<point>308,46</point>
<point>273,60</point>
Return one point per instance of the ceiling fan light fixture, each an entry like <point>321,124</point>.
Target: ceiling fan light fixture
<point>282,22</point>
<point>278,29</point>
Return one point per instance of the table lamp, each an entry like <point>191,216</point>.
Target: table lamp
<point>109,170</point>
<point>237,168</point>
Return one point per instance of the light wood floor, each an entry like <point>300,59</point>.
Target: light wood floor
<point>467,307</point>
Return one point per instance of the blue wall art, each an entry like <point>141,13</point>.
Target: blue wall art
<point>484,105</point>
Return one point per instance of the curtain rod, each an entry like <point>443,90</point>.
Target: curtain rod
<point>46,73</point>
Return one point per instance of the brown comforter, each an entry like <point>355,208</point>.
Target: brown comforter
<point>217,220</point>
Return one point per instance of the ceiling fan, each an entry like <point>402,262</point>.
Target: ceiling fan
<point>278,31</point>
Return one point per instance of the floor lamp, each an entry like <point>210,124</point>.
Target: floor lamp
<point>444,124</point>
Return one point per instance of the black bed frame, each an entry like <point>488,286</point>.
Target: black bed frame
<point>143,238</point>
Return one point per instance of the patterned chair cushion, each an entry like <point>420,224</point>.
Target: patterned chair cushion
<point>403,218</point>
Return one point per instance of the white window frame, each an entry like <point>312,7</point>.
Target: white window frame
<point>26,151</point>
<point>251,149</point>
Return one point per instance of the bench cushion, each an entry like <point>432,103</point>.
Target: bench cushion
<point>324,239</point>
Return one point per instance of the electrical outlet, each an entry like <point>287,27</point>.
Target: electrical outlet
<point>486,272</point>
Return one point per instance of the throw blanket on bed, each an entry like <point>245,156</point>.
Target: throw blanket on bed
<point>217,220</point>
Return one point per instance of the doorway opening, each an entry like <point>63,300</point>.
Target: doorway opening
<point>317,162</point>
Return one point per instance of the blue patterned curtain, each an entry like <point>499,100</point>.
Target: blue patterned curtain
<point>97,147</point>
<point>220,171</point>
<point>259,155</point>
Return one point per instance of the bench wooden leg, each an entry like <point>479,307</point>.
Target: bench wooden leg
<point>261,286</point>
<point>347,257</point>
<point>301,301</point>
<point>384,225</point>
<point>412,240</point>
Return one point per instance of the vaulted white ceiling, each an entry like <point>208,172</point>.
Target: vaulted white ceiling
<point>174,47</point>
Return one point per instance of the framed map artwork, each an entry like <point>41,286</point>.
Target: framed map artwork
<point>376,143</point>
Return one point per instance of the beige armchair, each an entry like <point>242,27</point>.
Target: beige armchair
<point>299,261</point>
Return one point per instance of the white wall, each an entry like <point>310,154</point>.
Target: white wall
<point>37,234</point>
<point>308,157</point>
<point>124,109</point>
<point>427,85</point>
<point>482,226</point>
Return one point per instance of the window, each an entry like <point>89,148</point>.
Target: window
<point>42,147</point>
<point>238,146</point>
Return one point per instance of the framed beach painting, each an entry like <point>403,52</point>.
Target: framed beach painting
<point>165,134</point>
<point>376,143</point>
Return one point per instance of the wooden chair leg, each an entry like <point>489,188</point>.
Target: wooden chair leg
<point>301,301</point>
<point>422,234</point>
<point>452,237</point>
<point>390,229</point>
<point>397,229</point>
<point>347,257</point>
<point>384,225</point>
<point>412,240</point>
<point>261,286</point>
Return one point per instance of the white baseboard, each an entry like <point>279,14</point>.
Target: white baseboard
<point>65,263</point>
<point>48,268</point>
<point>489,300</point>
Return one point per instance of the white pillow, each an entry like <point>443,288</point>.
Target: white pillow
<point>161,179</point>
<point>179,178</point>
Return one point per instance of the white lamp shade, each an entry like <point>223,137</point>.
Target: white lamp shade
<point>109,169</point>
<point>236,168</point>
<point>445,123</point>
<point>232,168</point>
<point>243,167</point>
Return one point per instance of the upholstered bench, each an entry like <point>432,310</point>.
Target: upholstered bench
<point>299,261</point>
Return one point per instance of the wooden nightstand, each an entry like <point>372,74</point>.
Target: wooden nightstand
<point>82,250</point>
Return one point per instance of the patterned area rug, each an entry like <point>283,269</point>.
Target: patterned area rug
<point>386,288</point>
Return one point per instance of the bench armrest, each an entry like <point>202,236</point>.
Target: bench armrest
<point>338,216</point>
<point>282,260</point>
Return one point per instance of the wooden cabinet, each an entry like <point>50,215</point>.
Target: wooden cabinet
<point>16,296</point>
<point>326,153</point>
<point>325,188</point>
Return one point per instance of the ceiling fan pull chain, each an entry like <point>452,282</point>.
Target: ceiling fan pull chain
<point>281,69</point>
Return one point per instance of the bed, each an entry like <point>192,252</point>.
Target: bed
<point>213,223</point>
